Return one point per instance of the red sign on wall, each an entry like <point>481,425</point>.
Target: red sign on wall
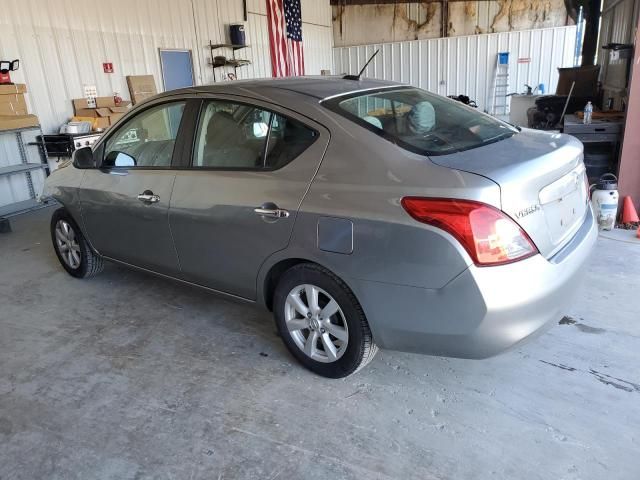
<point>107,67</point>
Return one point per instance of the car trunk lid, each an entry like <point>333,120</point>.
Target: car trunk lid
<point>542,182</point>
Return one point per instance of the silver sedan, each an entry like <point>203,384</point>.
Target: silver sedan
<point>363,213</point>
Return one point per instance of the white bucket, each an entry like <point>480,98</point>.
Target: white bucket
<point>605,201</point>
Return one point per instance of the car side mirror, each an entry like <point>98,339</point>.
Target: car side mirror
<point>119,159</point>
<point>83,158</point>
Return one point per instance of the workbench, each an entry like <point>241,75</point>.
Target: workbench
<point>601,139</point>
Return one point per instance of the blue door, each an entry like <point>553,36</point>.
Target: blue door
<point>177,69</point>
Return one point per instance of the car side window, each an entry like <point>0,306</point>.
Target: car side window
<point>232,135</point>
<point>147,139</point>
<point>288,138</point>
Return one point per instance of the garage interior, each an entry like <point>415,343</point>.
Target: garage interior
<point>128,375</point>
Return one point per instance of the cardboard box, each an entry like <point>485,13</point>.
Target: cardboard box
<point>104,115</point>
<point>141,87</point>
<point>12,101</point>
<point>14,104</point>
<point>13,89</point>
<point>96,122</point>
<point>101,123</point>
<point>122,108</point>
<point>80,104</point>
<point>102,102</point>
<point>82,108</point>
<point>117,113</point>
<point>10,122</point>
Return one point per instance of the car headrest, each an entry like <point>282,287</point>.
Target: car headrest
<point>221,126</point>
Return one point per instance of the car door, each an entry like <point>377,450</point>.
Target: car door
<point>125,201</point>
<point>237,202</point>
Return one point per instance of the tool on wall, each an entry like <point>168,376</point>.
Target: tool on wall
<point>7,66</point>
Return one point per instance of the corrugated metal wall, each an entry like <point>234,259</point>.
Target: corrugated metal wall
<point>619,19</point>
<point>62,44</point>
<point>466,65</point>
<point>618,22</point>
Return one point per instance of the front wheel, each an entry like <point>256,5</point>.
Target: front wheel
<point>72,249</point>
<point>321,322</point>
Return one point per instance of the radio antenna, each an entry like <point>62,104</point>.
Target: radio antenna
<point>357,77</point>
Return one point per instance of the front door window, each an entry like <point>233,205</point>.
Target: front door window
<point>147,139</point>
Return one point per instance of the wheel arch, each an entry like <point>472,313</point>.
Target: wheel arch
<point>76,216</point>
<point>278,268</point>
<point>273,275</point>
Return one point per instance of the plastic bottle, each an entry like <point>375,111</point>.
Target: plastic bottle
<point>588,111</point>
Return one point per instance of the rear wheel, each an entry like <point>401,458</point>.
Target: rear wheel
<point>321,322</point>
<point>72,249</point>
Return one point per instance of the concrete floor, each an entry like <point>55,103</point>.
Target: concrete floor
<point>129,376</point>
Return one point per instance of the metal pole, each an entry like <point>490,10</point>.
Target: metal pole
<point>578,51</point>
<point>566,104</point>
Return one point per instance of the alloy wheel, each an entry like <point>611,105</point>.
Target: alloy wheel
<point>316,323</point>
<point>67,244</point>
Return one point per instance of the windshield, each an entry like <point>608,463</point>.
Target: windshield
<point>421,122</point>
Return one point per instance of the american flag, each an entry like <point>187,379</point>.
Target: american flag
<point>285,37</point>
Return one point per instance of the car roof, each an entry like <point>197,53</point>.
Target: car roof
<point>320,87</point>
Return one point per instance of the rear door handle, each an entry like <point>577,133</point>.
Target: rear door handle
<point>271,210</point>
<point>148,197</point>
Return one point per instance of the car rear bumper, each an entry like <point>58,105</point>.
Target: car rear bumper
<point>483,311</point>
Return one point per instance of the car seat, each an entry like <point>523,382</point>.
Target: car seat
<point>224,145</point>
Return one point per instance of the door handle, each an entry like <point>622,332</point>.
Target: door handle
<point>148,197</point>
<point>270,210</point>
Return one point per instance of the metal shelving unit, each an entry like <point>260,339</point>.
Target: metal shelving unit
<point>24,168</point>
<point>229,62</point>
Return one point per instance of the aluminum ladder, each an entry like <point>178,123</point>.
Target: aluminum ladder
<point>500,105</point>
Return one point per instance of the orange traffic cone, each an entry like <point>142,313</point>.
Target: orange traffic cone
<point>629,213</point>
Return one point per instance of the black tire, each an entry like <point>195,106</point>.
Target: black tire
<point>90,263</point>
<point>360,348</point>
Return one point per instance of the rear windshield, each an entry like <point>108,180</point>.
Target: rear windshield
<point>421,122</point>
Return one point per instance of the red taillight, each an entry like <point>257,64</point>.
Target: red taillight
<point>489,236</point>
